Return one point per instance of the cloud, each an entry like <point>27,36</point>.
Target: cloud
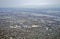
<point>18,3</point>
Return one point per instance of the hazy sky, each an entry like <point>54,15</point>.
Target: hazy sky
<point>28,3</point>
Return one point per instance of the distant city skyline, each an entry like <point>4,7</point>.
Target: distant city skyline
<point>29,3</point>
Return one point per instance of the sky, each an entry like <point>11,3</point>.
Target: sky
<point>29,3</point>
